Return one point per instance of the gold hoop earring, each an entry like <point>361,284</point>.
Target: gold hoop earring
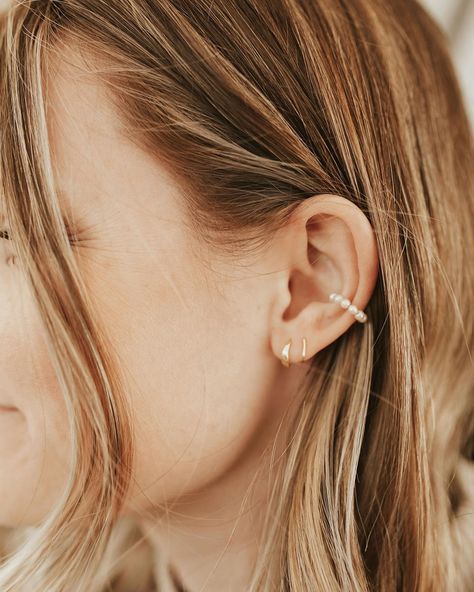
<point>285,353</point>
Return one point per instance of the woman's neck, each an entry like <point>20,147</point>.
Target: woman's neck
<point>211,536</point>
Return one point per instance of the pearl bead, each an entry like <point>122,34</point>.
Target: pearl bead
<point>346,304</point>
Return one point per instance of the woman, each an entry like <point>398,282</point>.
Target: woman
<point>236,298</point>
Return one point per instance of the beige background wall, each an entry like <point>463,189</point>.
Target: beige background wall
<point>457,19</point>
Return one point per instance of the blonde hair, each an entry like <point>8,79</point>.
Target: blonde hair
<point>253,107</point>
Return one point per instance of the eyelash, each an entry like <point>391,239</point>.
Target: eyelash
<point>71,236</point>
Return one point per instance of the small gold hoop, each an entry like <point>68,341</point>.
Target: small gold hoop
<point>285,354</point>
<point>304,350</point>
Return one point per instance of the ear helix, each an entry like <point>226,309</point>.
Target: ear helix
<point>345,303</point>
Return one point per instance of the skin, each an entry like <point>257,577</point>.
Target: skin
<point>199,339</point>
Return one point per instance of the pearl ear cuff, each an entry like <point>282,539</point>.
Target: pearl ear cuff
<point>359,315</point>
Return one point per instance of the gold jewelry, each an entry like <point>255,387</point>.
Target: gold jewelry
<point>304,350</point>
<point>285,353</point>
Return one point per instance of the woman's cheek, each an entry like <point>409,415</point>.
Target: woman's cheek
<point>34,435</point>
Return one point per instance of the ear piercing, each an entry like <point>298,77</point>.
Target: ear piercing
<point>285,353</point>
<point>345,303</point>
<point>359,315</point>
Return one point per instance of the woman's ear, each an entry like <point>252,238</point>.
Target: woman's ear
<point>328,247</point>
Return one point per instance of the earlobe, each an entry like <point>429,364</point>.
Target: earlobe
<point>332,270</point>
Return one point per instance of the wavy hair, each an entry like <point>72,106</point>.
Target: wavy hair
<point>253,107</point>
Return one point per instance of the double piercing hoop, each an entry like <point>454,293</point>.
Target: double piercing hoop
<point>345,303</point>
<point>285,353</point>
